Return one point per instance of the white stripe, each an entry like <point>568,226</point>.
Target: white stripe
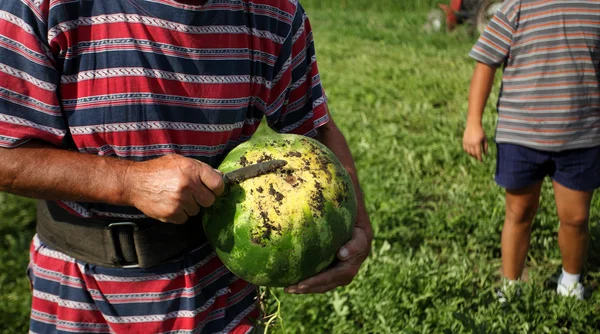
<point>58,277</point>
<point>572,85</point>
<point>550,4</point>
<point>549,64</point>
<point>23,122</point>
<point>537,76</point>
<point>54,3</point>
<point>64,303</point>
<point>540,135</point>
<point>27,77</point>
<point>239,318</point>
<point>154,125</point>
<point>153,73</point>
<point>569,143</point>
<point>151,297</point>
<point>54,254</point>
<point>6,16</point>
<point>535,54</point>
<point>538,39</point>
<point>547,99</point>
<point>52,319</point>
<point>548,122</point>
<point>171,315</point>
<point>152,21</point>
<point>35,9</point>
<point>568,111</point>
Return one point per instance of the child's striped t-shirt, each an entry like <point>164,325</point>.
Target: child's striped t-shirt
<point>550,50</point>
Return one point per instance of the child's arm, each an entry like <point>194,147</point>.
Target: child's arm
<point>474,139</point>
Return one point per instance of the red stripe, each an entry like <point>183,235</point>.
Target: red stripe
<point>16,33</point>
<point>25,132</point>
<point>65,313</point>
<point>152,286</point>
<point>41,61</point>
<point>158,137</point>
<point>26,88</point>
<point>143,84</point>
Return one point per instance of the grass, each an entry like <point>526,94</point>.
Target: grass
<point>400,96</point>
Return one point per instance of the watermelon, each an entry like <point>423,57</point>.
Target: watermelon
<point>282,227</point>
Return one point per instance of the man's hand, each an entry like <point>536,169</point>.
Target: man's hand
<point>475,141</point>
<point>351,256</point>
<point>172,188</point>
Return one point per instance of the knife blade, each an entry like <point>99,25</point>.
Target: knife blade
<point>248,172</point>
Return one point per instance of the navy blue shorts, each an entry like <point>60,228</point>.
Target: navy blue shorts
<point>518,167</point>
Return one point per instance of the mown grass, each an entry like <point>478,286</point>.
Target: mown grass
<point>400,97</point>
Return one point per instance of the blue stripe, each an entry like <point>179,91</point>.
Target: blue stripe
<point>30,113</point>
<point>41,327</point>
<point>164,307</point>
<point>231,312</point>
<point>112,59</point>
<point>38,71</point>
<point>65,292</point>
<point>154,112</point>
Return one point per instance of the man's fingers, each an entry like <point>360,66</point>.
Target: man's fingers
<point>203,196</point>
<point>325,278</point>
<point>178,218</point>
<point>352,254</point>
<point>355,248</point>
<point>339,275</point>
<point>320,289</point>
<point>191,207</point>
<point>212,179</point>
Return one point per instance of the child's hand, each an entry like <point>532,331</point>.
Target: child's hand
<point>475,141</point>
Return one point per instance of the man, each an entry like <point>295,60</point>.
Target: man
<point>115,113</point>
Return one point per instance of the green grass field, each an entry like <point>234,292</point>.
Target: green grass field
<point>400,96</point>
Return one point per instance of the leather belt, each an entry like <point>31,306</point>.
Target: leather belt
<point>115,243</point>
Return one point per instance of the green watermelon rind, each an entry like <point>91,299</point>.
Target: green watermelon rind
<point>288,261</point>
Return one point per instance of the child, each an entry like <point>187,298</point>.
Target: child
<point>548,122</point>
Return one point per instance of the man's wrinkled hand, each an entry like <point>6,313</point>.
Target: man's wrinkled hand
<point>351,256</point>
<point>172,188</point>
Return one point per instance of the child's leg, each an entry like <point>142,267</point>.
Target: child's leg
<point>521,206</point>
<point>573,235</point>
<point>577,175</point>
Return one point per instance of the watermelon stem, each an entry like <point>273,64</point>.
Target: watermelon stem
<point>275,316</point>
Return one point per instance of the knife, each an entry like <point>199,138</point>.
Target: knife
<point>248,172</point>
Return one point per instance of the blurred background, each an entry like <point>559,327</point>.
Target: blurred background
<point>397,81</point>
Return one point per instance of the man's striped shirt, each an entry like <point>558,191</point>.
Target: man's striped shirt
<point>550,50</point>
<point>138,79</point>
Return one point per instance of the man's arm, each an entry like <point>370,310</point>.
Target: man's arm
<point>474,139</point>
<point>354,253</point>
<point>169,188</point>
<point>331,136</point>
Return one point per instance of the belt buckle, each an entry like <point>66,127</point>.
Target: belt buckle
<point>119,260</point>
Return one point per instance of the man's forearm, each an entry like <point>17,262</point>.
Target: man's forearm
<point>43,171</point>
<point>481,85</point>
<point>332,137</point>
